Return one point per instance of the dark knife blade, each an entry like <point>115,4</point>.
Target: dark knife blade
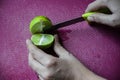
<point>63,24</point>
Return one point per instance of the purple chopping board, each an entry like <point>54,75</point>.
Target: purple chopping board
<point>97,47</point>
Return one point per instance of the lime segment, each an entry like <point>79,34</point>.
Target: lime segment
<point>42,40</point>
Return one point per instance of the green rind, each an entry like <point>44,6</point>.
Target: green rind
<point>36,38</point>
<point>35,24</point>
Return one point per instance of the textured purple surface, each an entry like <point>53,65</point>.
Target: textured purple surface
<point>97,48</point>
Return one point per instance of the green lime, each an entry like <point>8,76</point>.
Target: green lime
<point>43,41</point>
<point>39,23</point>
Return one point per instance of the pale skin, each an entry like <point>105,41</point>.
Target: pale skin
<point>66,66</point>
<point>113,19</point>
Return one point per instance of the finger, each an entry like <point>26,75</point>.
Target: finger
<point>103,19</point>
<point>59,49</point>
<point>32,48</point>
<point>36,66</point>
<point>95,5</point>
<point>43,72</point>
<point>40,77</point>
<point>43,58</point>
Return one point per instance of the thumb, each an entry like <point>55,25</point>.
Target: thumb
<point>60,51</point>
<point>102,18</point>
<point>95,5</point>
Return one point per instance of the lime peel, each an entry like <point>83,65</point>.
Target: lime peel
<point>42,40</point>
<point>38,24</point>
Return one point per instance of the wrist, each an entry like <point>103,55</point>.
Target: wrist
<point>92,76</point>
<point>87,75</point>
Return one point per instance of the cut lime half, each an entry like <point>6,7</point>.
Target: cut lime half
<point>43,41</point>
<point>39,23</point>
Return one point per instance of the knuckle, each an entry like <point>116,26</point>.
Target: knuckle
<point>32,49</point>
<point>30,64</point>
<point>48,76</point>
<point>51,62</point>
<point>113,22</point>
<point>34,67</point>
<point>57,45</point>
<point>89,5</point>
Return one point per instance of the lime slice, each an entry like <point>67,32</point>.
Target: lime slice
<point>43,41</point>
<point>39,23</point>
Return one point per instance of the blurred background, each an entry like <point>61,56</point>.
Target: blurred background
<point>97,46</point>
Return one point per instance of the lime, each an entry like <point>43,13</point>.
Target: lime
<point>39,23</point>
<point>43,41</point>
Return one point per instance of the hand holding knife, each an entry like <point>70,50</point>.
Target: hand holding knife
<point>76,20</point>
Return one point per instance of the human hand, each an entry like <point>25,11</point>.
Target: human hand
<point>64,67</point>
<point>108,19</point>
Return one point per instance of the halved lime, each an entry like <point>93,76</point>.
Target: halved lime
<point>39,23</point>
<point>43,41</point>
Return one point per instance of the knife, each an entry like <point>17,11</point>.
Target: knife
<point>76,20</point>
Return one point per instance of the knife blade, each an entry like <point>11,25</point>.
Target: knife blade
<point>64,24</point>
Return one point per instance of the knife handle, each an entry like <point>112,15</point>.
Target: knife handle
<point>102,10</point>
